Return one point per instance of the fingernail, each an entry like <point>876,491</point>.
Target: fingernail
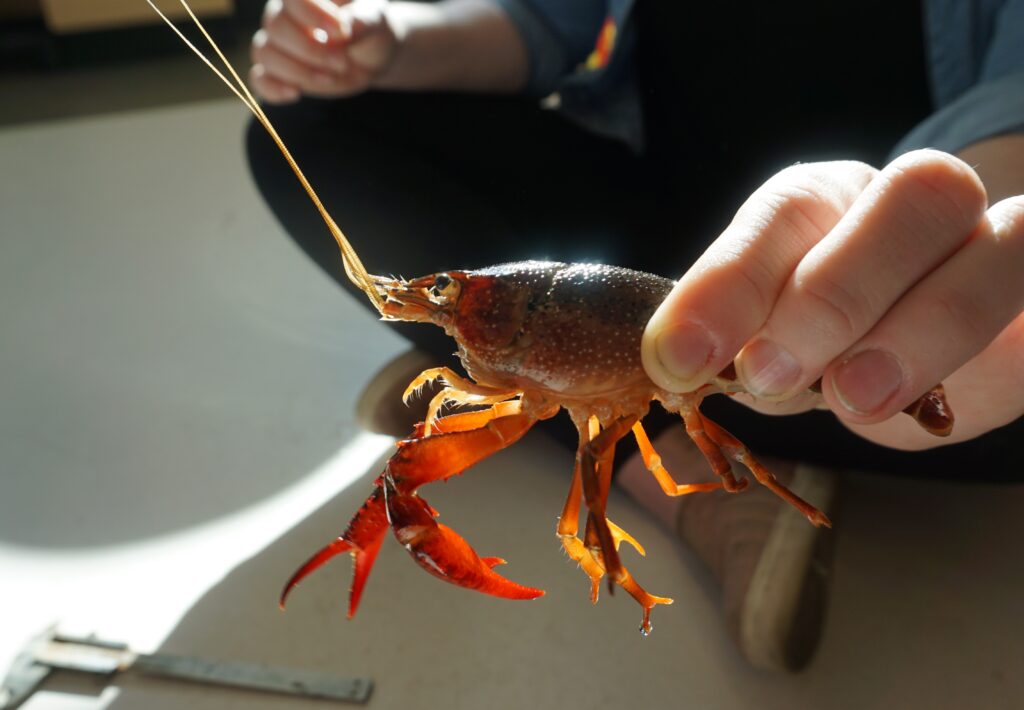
<point>684,350</point>
<point>767,369</point>
<point>867,380</point>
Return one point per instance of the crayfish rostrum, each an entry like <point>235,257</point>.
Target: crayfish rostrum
<point>536,337</point>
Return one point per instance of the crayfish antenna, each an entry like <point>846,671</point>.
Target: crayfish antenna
<point>354,269</point>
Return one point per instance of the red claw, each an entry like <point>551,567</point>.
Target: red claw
<point>458,442</point>
<point>362,538</point>
<point>444,553</point>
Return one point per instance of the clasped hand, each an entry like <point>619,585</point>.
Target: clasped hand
<point>881,282</point>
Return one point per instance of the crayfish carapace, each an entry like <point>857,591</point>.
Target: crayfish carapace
<point>534,337</point>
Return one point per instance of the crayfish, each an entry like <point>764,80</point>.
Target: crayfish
<point>534,338</point>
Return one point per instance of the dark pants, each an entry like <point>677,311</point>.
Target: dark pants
<point>424,182</point>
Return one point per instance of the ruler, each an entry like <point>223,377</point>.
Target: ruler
<point>52,651</point>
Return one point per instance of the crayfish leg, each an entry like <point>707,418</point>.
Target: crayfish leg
<point>620,536</point>
<point>741,454</point>
<point>645,600</point>
<point>568,526</point>
<point>593,467</point>
<point>595,472</point>
<point>695,428</point>
<point>653,463</point>
<point>457,389</point>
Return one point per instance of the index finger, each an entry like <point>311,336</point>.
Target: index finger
<point>728,294</point>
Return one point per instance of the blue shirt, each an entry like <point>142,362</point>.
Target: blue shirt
<point>975,55</point>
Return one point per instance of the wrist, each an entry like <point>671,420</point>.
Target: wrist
<point>459,45</point>
<point>413,28</point>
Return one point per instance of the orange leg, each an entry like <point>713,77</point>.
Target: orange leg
<point>595,473</point>
<point>593,470</point>
<point>735,449</point>
<point>653,463</point>
<point>568,526</point>
<point>695,422</point>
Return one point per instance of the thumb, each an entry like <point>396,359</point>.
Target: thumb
<point>680,349</point>
<point>727,295</point>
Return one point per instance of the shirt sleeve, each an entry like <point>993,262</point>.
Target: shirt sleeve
<point>993,104</point>
<point>558,34</point>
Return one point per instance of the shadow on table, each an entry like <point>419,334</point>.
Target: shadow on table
<point>924,611</point>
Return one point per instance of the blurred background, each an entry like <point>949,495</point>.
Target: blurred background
<point>63,58</point>
<point>177,433</point>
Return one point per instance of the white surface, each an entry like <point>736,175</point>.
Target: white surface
<point>177,387</point>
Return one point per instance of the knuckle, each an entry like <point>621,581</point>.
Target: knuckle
<point>737,267</point>
<point>831,310</point>
<point>802,209</point>
<point>753,277</point>
<point>944,186</point>
<point>956,312</point>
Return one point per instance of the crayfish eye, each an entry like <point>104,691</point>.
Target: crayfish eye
<point>445,288</point>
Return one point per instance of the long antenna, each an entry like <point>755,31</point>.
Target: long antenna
<point>354,268</point>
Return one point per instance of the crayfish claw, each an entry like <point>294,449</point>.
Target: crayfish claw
<point>335,547</point>
<point>362,539</point>
<point>443,552</point>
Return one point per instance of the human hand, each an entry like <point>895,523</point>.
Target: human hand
<point>881,283</point>
<point>320,48</point>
